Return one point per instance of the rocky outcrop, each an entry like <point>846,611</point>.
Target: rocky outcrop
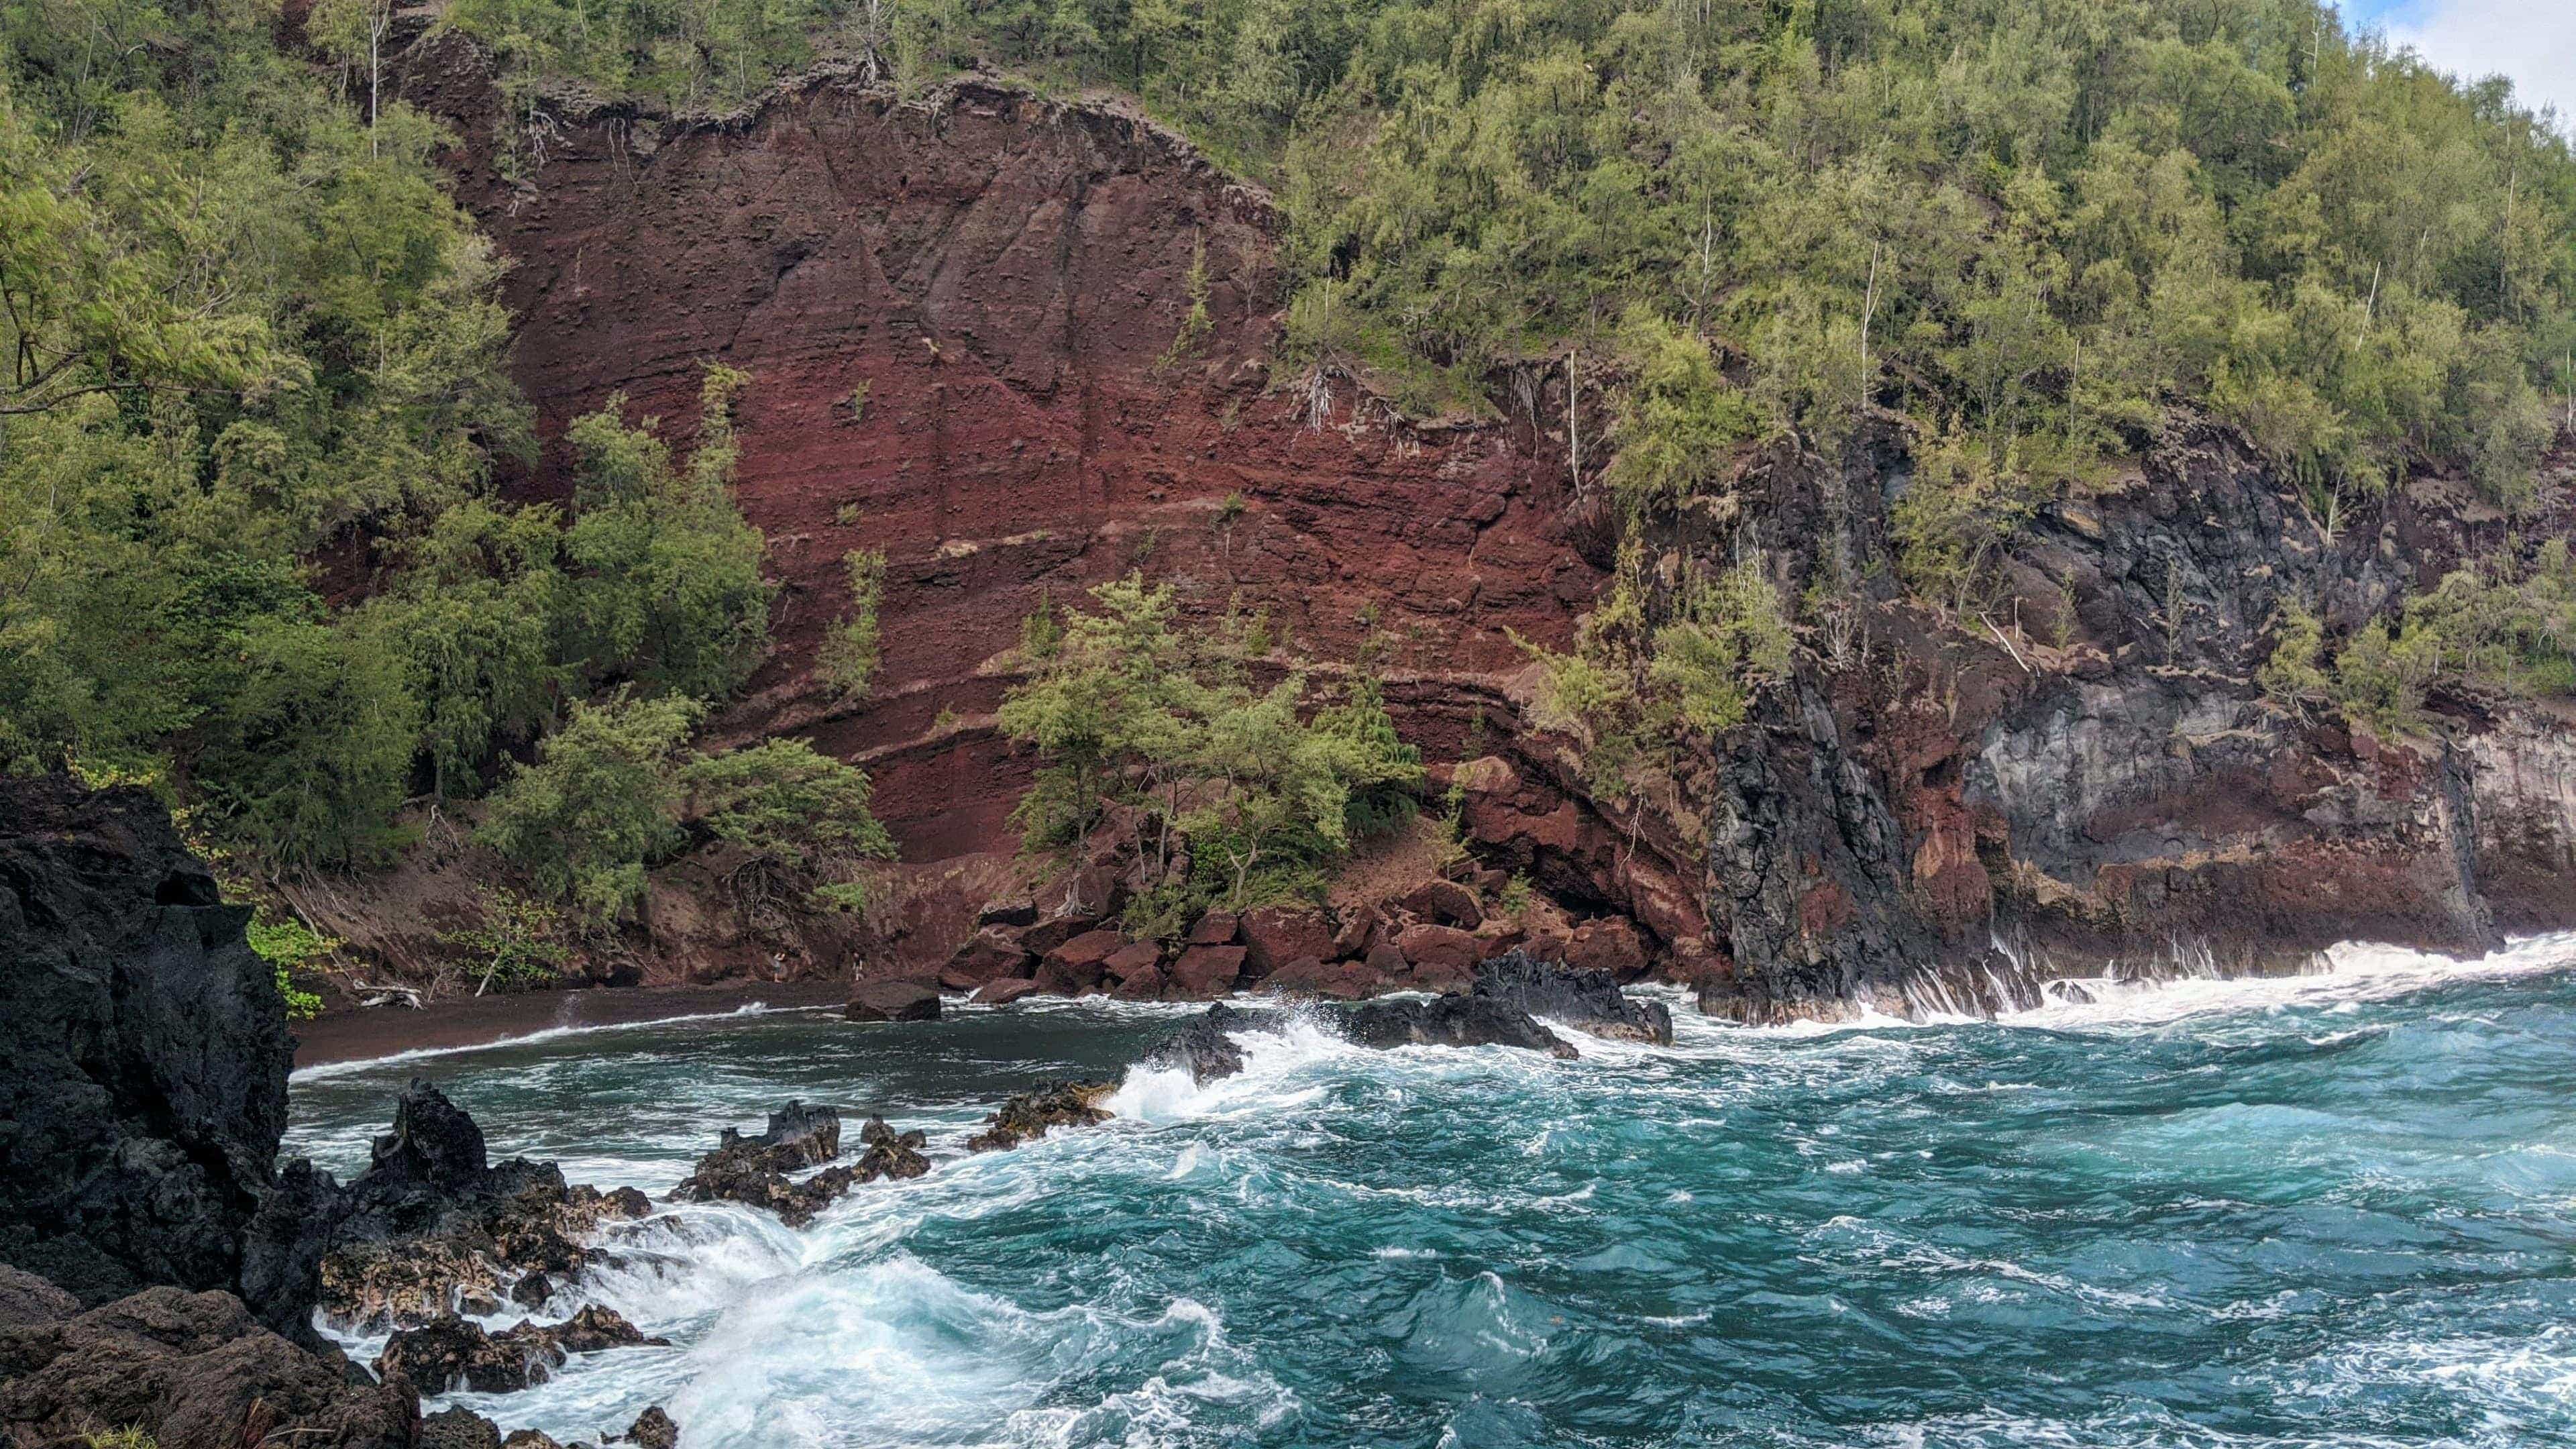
<point>430,1229</point>
<point>143,1069</point>
<point>192,1371</point>
<point>1588,1001</point>
<point>450,1353</point>
<point>1031,1115</point>
<point>1206,1048</point>
<point>754,1170</point>
<point>1451,1021</point>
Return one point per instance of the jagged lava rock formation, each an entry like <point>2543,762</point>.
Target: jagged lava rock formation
<point>143,1069</point>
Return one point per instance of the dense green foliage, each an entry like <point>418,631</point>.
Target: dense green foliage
<point>2033,223</point>
<point>1256,785</point>
<point>1645,673</point>
<point>2495,626</point>
<point>251,346</point>
<point>289,946</point>
<point>618,789</point>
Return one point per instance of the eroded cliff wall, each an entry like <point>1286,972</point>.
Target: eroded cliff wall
<point>964,318</point>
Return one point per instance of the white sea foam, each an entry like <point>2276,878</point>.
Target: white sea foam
<point>2351,973</point>
<point>325,1070</point>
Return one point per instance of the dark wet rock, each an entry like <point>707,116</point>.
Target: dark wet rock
<point>439,1357</point>
<point>1206,1048</point>
<point>531,1439</point>
<point>893,1001</point>
<point>1454,1021</point>
<point>1031,1115</point>
<point>143,1072</point>
<point>1588,1001</point>
<point>797,1136</point>
<point>890,1154</point>
<point>1006,991</point>
<point>652,1429</point>
<point>753,1170</point>
<point>430,1225</point>
<point>458,1429</point>
<point>192,1371</point>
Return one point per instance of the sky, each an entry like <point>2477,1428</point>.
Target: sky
<point>2533,41</point>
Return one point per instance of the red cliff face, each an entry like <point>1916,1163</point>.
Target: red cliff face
<point>965,321</point>
<point>960,316</point>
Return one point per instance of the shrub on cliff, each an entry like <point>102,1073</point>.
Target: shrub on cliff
<point>613,791</point>
<point>669,592</point>
<point>1125,709</point>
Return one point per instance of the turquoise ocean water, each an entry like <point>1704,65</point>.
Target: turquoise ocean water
<point>2333,1210</point>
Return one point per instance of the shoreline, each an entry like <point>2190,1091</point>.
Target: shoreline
<point>475,1021</point>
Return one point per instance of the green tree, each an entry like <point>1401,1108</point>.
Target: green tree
<point>601,803</point>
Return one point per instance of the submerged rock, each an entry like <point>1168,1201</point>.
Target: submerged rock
<point>1587,1000</point>
<point>1031,1115</point>
<point>1453,1021</point>
<point>438,1357</point>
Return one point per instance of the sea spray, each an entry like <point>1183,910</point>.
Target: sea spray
<point>2319,1210</point>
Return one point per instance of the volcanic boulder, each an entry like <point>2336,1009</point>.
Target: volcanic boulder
<point>449,1352</point>
<point>1585,1000</point>
<point>1452,1021</point>
<point>192,1371</point>
<point>893,1001</point>
<point>1031,1115</point>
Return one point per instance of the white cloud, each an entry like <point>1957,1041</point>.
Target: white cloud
<point>2531,41</point>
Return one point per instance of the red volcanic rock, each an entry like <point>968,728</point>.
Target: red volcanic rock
<point>1204,973</point>
<point>1438,950</point>
<point>1339,980</point>
<point>1360,929</point>
<point>1005,991</point>
<point>1273,936</point>
<point>1048,934</point>
<point>1446,903</point>
<point>1079,964</point>
<point>1144,984</point>
<point>1216,928</point>
<point>1131,959</point>
<point>988,955</point>
<point>1388,962</point>
<point>1003,274</point>
<point>1610,944</point>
